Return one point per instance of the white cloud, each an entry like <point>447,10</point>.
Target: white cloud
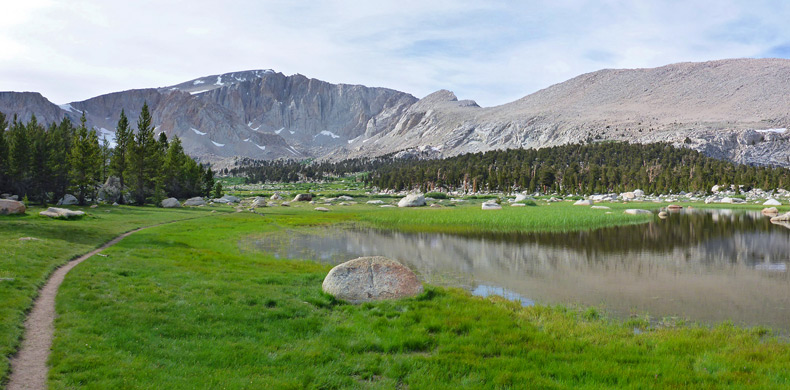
<point>493,52</point>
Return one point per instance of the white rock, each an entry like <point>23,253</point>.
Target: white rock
<point>170,203</point>
<point>772,202</point>
<point>636,211</point>
<point>55,212</point>
<point>412,200</point>
<point>583,202</point>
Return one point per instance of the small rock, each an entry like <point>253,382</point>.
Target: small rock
<point>345,198</point>
<point>436,206</point>
<point>663,215</point>
<point>8,206</point>
<point>28,239</point>
<point>55,212</point>
<point>324,209</point>
<point>375,201</point>
<point>772,202</point>
<point>93,206</point>
<point>170,203</point>
<point>387,205</point>
<point>601,207</point>
<point>370,279</point>
<point>674,207</point>
<point>491,205</point>
<point>276,196</point>
<point>258,202</point>
<point>636,211</point>
<point>285,204</point>
<point>583,202</point>
<point>412,200</point>
<point>770,211</point>
<point>517,205</point>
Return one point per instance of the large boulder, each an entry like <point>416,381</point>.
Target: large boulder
<point>772,202</point>
<point>770,211</point>
<point>781,218</point>
<point>8,206</point>
<point>412,200</point>
<point>583,202</point>
<point>303,198</point>
<point>520,198</point>
<point>636,211</point>
<point>111,190</point>
<point>230,199</point>
<point>628,195</point>
<point>56,212</point>
<point>258,202</point>
<point>371,279</point>
<point>170,203</point>
<point>639,193</point>
<point>196,201</point>
<point>68,200</point>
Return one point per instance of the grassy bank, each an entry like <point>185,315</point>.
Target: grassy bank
<point>180,306</point>
<point>26,264</point>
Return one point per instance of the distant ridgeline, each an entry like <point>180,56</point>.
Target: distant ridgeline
<point>43,164</point>
<point>569,169</point>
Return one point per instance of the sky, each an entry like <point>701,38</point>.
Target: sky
<point>493,51</point>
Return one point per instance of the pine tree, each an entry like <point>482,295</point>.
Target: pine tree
<point>40,178</point>
<point>85,162</point>
<point>19,157</point>
<point>3,153</point>
<point>174,169</point>
<point>208,181</point>
<point>119,160</point>
<point>143,159</point>
<point>60,139</point>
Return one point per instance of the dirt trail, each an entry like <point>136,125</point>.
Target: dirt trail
<point>29,366</point>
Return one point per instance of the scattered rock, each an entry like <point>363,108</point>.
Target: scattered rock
<point>68,200</point>
<point>375,201</point>
<point>628,195</point>
<point>726,200</point>
<point>170,203</point>
<point>55,212</point>
<point>29,239</point>
<point>663,215</point>
<point>324,209</point>
<point>388,205</point>
<point>115,204</point>
<point>412,200</point>
<point>231,198</point>
<point>344,204</point>
<point>636,211</point>
<point>345,198</point>
<point>276,196</point>
<point>583,202</point>
<point>196,201</point>
<point>491,205</point>
<point>436,206</point>
<point>520,198</point>
<point>639,193</point>
<point>772,202</point>
<point>370,279</point>
<point>93,206</point>
<point>258,202</point>
<point>8,206</point>
<point>517,205</point>
<point>601,207</point>
<point>285,204</point>
<point>303,198</point>
<point>715,188</point>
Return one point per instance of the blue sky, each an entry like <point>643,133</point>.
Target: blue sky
<point>490,51</point>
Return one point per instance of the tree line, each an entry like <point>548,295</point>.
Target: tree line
<point>567,169</point>
<point>45,163</point>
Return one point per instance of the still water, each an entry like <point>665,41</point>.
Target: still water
<point>703,265</point>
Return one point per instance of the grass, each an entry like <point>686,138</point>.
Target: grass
<point>181,307</point>
<point>25,265</point>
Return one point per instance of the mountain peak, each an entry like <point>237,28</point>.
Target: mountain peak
<point>208,83</point>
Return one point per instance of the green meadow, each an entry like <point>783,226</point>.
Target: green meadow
<point>181,306</point>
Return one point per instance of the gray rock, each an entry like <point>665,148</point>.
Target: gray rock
<point>170,203</point>
<point>520,198</point>
<point>111,190</point>
<point>601,207</point>
<point>491,205</point>
<point>770,211</point>
<point>303,198</point>
<point>55,212</point>
<point>344,198</point>
<point>387,205</point>
<point>10,197</point>
<point>370,279</point>
<point>412,200</point>
<point>636,211</point>
<point>324,209</point>
<point>436,206</point>
<point>663,215</point>
<point>196,201</point>
<point>230,199</point>
<point>583,202</point>
<point>639,193</point>
<point>375,201</point>
<point>68,200</point>
<point>285,204</point>
<point>258,202</point>
<point>772,202</point>
<point>8,206</point>
<point>517,205</point>
<point>276,196</point>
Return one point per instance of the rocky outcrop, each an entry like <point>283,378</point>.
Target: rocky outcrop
<point>781,218</point>
<point>303,198</point>
<point>55,212</point>
<point>68,200</point>
<point>111,190</point>
<point>8,206</point>
<point>371,279</point>
<point>412,200</point>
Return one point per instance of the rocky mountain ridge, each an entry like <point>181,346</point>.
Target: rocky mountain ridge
<point>734,109</point>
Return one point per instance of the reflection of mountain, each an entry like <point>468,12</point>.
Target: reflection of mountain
<point>709,266</point>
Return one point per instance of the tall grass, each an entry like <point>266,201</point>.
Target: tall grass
<point>181,307</point>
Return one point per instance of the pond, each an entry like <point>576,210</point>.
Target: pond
<point>707,266</point>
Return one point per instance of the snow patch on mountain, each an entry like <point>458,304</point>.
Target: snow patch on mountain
<point>327,133</point>
<point>280,130</point>
<point>261,147</point>
<point>198,132</point>
<point>778,131</point>
<point>217,144</point>
<point>198,82</point>
<point>107,136</point>
<point>69,108</point>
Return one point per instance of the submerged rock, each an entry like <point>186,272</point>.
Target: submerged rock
<point>370,279</point>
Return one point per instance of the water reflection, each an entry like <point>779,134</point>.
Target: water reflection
<point>706,265</point>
